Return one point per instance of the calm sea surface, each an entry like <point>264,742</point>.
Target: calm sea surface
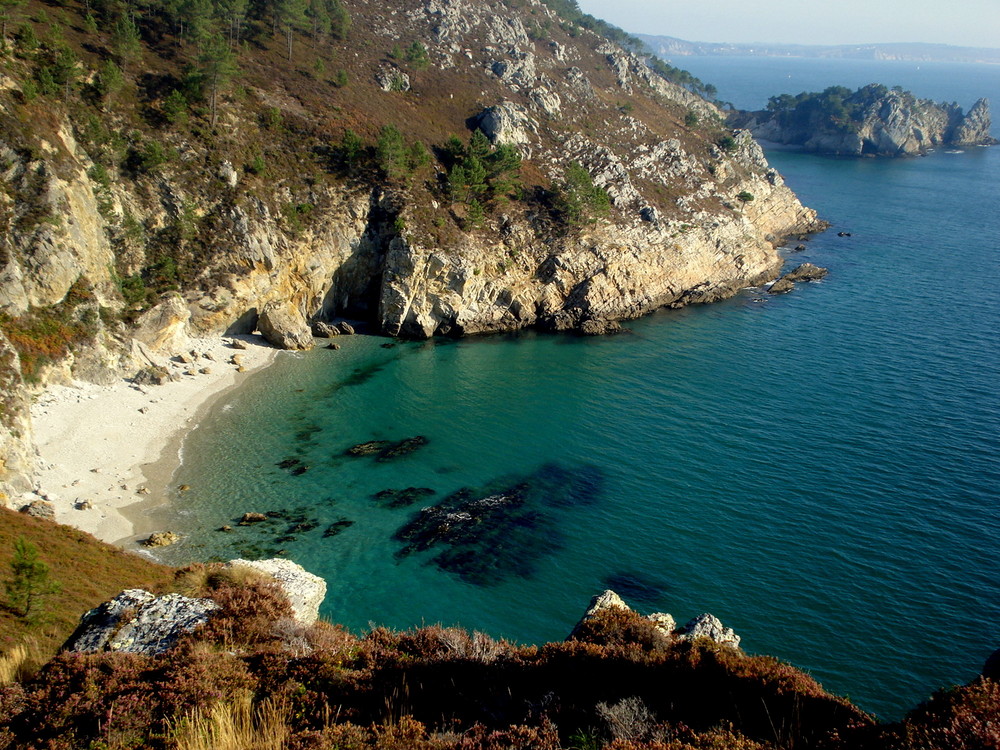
<point>821,470</point>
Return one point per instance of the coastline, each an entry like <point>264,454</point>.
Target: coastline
<point>117,446</point>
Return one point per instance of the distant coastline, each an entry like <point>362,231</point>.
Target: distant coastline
<point>668,46</point>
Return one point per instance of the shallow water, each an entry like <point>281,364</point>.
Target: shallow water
<point>818,469</point>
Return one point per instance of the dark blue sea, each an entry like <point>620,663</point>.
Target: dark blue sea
<point>821,470</point>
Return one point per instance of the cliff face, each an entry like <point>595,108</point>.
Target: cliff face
<point>872,121</point>
<point>110,203</point>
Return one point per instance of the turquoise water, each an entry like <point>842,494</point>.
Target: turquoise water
<point>820,469</point>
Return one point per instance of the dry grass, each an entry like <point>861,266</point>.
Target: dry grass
<point>21,661</point>
<point>234,725</point>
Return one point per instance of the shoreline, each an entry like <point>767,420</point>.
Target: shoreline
<point>117,446</point>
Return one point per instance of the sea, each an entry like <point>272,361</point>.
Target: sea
<point>820,470</point>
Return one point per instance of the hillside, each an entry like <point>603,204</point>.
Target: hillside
<point>260,672</point>
<point>434,168</point>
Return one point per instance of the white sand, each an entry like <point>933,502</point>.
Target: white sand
<point>98,443</point>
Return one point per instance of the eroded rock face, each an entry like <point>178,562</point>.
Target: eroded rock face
<point>284,326</point>
<point>139,622</point>
<point>16,453</point>
<point>304,590</point>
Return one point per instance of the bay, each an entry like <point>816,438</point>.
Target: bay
<point>819,470</point>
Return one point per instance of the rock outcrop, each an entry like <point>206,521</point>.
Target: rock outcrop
<point>872,121</point>
<point>139,622</point>
<point>702,626</point>
<point>284,326</point>
<point>304,590</point>
<point>803,272</point>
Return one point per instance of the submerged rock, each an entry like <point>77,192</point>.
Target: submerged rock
<point>402,498</point>
<point>248,518</point>
<point>337,527</point>
<point>138,622</point>
<point>371,448</point>
<point>387,450</point>
<point>803,272</point>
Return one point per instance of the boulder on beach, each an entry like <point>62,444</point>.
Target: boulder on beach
<point>284,326</point>
<point>161,539</point>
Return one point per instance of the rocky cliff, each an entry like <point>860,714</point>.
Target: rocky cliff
<point>145,205</point>
<point>872,121</point>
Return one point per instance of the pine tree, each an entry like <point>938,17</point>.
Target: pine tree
<point>29,583</point>
<point>217,65</point>
<point>291,14</point>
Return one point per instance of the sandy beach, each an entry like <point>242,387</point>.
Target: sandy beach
<point>100,444</point>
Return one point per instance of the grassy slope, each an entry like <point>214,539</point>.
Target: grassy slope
<point>89,571</point>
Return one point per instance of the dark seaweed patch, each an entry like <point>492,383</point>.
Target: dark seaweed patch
<point>387,450</point>
<point>402,498</point>
<point>337,527</point>
<point>307,433</point>
<point>487,535</point>
<point>293,466</point>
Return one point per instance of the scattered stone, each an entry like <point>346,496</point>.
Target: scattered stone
<point>323,330</point>
<point>781,286</point>
<point>388,345</point>
<point>83,505</point>
<point>228,174</point>
<point>142,491</point>
<point>185,358</point>
<point>153,375</point>
<point>799,248</point>
<point>239,344</point>
<point>40,509</point>
<point>346,328</point>
<point>843,234</point>
<point>183,487</point>
<point>226,528</point>
<point>143,409</point>
<point>304,590</point>
<point>205,370</point>
<point>161,539</point>
<point>236,359</point>
<point>241,368</point>
<point>209,356</point>
<point>138,622</point>
<point>333,346</point>
<point>249,518</point>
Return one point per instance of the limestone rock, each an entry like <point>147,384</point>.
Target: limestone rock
<point>346,328</point>
<point>663,621</point>
<point>709,626</point>
<point>40,509</point>
<point>507,123</point>
<point>163,328</point>
<point>228,174</point>
<point>607,599</point>
<point>16,450</point>
<point>600,327</point>
<point>153,375</point>
<point>391,78</point>
<point>161,539</point>
<point>282,325</point>
<point>249,518</point>
<point>138,622</point>
<point>304,590</point>
<point>324,330</point>
<point>803,272</point>
<point>974,129</point>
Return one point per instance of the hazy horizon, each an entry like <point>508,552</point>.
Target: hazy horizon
<point>806,21</point>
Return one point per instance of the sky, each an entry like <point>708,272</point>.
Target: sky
<point>970,23</point>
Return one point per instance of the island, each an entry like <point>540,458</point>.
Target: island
<point>873,121</point>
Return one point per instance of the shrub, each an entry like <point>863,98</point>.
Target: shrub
<point>727,143</point>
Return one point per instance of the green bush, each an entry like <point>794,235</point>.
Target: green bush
<point>29,584</point>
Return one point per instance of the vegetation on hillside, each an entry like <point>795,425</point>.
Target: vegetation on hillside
<point>251,678</point>
<point>835,109</point>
